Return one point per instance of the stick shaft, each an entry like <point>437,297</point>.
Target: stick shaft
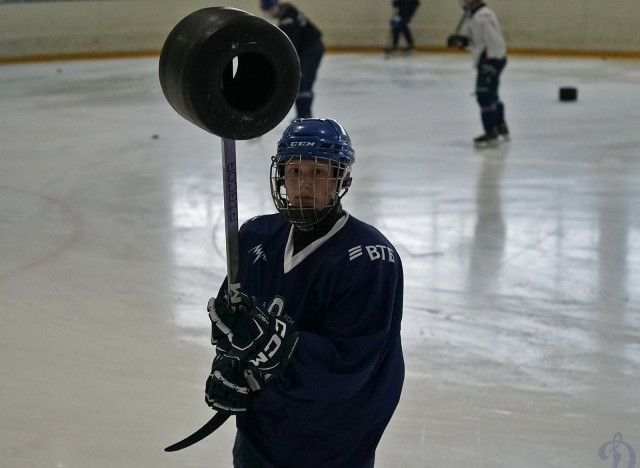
<point>230,191</point>
<point>463,18</point>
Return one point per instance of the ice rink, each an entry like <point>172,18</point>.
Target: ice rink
<point>521,322</point>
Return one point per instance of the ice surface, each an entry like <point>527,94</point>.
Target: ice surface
<point>522,264</point>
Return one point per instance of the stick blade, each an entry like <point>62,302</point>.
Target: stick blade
<point>214,423</point>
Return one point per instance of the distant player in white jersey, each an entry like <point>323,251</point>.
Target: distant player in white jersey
<point>311,365</point>
<point>489,51</point>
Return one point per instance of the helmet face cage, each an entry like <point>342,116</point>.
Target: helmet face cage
<point>305,190</point>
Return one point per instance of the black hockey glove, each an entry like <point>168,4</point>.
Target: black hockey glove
<point>240,326</point>
<point>258,339</point>
<point>255,378</point>
<point>457,41</point>
<point>226,389</point>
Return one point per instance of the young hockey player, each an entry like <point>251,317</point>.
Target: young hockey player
<point>306,38</point>
<point>313,373</point>
<point>489,51</point>
<point>403,13</point>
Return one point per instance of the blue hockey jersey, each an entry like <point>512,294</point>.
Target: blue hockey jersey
<point>344,292</point>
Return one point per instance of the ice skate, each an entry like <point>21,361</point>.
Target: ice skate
<point>503,132</point>
<point>395,51</point>
<point>488,140</point>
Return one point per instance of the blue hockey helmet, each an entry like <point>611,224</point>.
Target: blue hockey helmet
<point>317,138</point>
<point>267,5</point>
<point>324,141</point>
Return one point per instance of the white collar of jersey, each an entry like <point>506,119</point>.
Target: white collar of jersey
<point>291,261</point>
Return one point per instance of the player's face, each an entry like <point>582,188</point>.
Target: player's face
<point>309,183</point>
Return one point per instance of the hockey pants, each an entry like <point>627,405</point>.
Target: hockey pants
<point>309,63</point>
<point>487,85</point>
<point>400,27</point>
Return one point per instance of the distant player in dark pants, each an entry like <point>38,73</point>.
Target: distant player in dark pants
<point>306,38</point>
<point>403,12</point>
<point>489,51</point>
<point>329,281</point>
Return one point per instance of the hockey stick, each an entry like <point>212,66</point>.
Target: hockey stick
<point>463,18</point>
<point>230,193</point>
<point>201,85</point>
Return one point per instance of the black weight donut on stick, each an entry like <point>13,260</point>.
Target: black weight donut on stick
<point>229,72</point>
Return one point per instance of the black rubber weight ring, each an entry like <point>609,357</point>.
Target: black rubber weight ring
<point>229,72</point>
<point>568,94</point>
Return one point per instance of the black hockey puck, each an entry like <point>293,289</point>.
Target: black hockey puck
<point>568,94</point>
